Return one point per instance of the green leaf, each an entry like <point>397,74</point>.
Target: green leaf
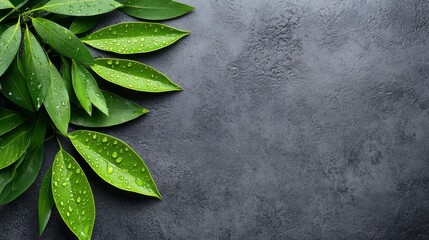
<point>155,10</point>
<point>120,111</point>
<point>26,173</point>
<point>39,132</point>
<point>133,75</point>
<point>87,90</point>
<point>10,41</point>
<point>6,177</point>
<point>38,3</point>
<point>115,162</point>
<point>13,145</point>
<point>36,68</point>
<point>81,7</point>
<point>83,24</point>
<point>9,120</point>
<point>73,195</point>
<point>57,101</point>
<point>135,37</point>
<point>45,201</point>
<point>5,4</point>
<point>14,87</point>
<point>79,86</point>
<point>62,40</point>
<point>66,74</point>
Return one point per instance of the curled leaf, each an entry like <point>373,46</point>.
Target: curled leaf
<point>87,90</point>
<point>120,111</point>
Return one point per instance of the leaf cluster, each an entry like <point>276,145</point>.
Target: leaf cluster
<point>49,80</point>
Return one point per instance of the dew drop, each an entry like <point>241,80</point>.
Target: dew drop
<point>109,169</point>
<point>139,182</point>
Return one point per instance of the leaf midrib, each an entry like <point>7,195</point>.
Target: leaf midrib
<point>14,139</point>
<point>8,116</point>
<point>67,3</point>
<point>9,41</point>
<point>59,37</point>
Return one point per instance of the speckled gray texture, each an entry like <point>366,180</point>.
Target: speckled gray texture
<point>300,119</point>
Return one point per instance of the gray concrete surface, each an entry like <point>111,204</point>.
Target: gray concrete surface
<point>300,119</point>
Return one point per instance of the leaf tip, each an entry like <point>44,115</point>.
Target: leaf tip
<point>145,111</point>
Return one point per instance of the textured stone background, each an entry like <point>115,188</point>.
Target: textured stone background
<point>300,119</point>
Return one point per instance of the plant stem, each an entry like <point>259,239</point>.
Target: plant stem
<point>7,15</point>
<point>59,143</point>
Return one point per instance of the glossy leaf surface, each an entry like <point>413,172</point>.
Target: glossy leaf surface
<point>36,69</point>
<point>57,101</point>
<point>62,40</point>
<point>25,175</point>
<point>13,145</point>
<point>133,75</point>
<point>72,195</point>
<point>115,162</point>
<point>87,90</point>
<point>155,10</point>
<point>40,127</point>
<point>83,24</point>
<point>9,120</point>
<point>121,110</point>
<point>14,87</point>
<point>10,41</point>
<point>66,74</point>
<point>80,7</point>
<point>6,176</point>
<point>45,201</point>
<point>136,37</point>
